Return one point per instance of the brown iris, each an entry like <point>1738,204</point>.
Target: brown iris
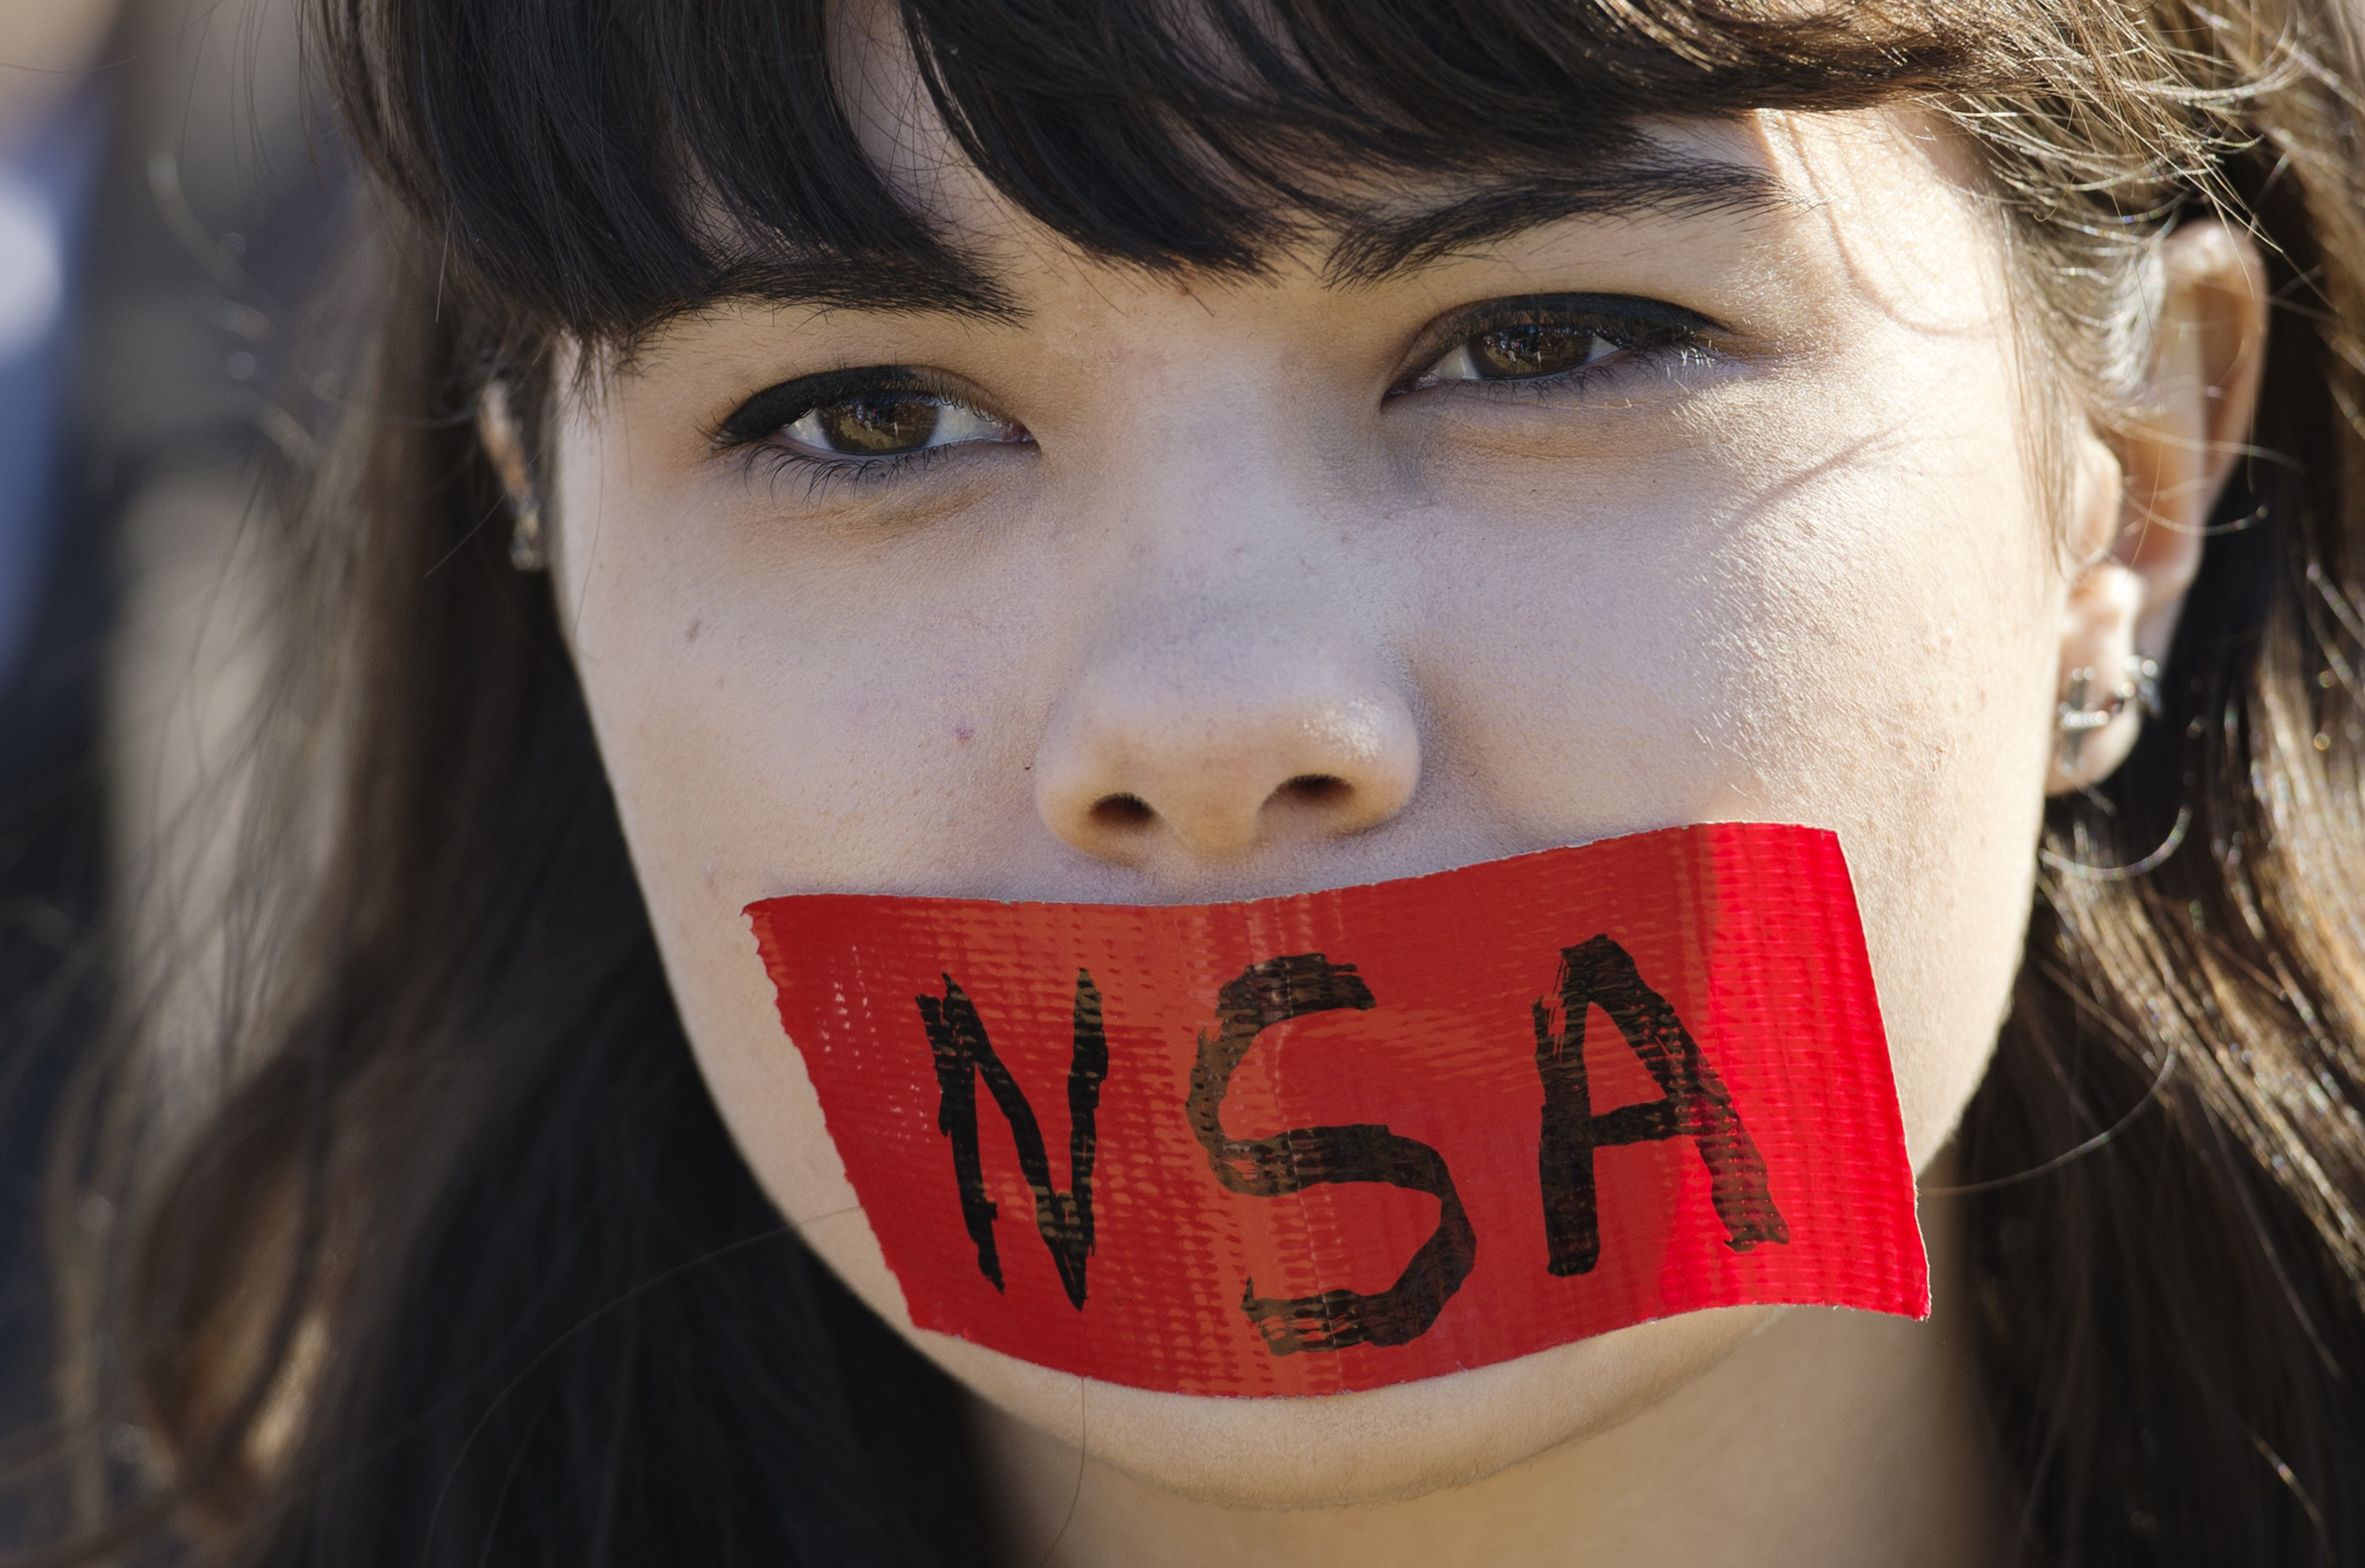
<point>1537,349</point>
<point>878,424</point>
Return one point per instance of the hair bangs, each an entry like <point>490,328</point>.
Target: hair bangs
<point>594,166</point>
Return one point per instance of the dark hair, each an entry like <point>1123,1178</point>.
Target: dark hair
<point>464,1267</point>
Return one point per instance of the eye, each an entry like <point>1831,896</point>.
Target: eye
<point>1553,337</point>
<point>891,424</point>
<point>1520,353</point>
<point>865,415</point>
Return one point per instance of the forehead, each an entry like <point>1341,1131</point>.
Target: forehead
<point>1871,181</point>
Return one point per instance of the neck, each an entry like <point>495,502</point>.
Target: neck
<point>1828,1438</point>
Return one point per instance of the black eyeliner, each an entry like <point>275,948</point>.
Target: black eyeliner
<point>784,404</point>
<point>1614,311</point>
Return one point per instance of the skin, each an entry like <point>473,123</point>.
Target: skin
<point>1810,572</point>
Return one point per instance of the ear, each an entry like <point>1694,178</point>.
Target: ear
<point>2144,492</point>
<point>504,438</point>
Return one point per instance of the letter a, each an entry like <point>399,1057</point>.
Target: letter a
<point>963,1056</point>
<point>1600,973</point>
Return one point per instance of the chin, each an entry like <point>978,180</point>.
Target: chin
<point>1379,1445</point>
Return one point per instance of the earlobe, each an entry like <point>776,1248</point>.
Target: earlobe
<point>2146,496</point>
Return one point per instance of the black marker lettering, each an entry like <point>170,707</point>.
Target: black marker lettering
<point>963,1056</point>
<point>1272,992</point>
<point>1695,1105</point>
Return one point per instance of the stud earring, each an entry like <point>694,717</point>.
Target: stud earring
<point>2079,715</point>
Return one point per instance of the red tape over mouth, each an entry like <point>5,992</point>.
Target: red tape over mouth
<point>1350,1138</point>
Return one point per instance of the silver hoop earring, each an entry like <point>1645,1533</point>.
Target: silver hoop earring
<point>526,537</point>
<point>2079,715</point>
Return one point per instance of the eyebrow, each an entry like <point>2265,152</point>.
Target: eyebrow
<point>1381,245</point>
<point>1366,246</point>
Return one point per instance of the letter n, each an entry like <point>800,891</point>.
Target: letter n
<point>1694,1104</point>
<point>964,1055</point>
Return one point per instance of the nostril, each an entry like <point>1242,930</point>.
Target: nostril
<point>1122,812</point>
<point>1315,788</point>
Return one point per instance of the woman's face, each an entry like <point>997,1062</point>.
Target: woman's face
<point>1162,588</point>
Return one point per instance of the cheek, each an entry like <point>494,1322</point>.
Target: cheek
<point>1858,635</point>
<point>773,722</point>
<point>769,731</point>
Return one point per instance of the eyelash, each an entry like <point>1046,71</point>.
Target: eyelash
<point>821,475</point>
<point>1643,331</point>
<point>752,428</point>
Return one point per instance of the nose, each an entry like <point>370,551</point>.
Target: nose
<point>1215,732</point>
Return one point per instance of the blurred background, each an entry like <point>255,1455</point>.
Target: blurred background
<point>174,214</point>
